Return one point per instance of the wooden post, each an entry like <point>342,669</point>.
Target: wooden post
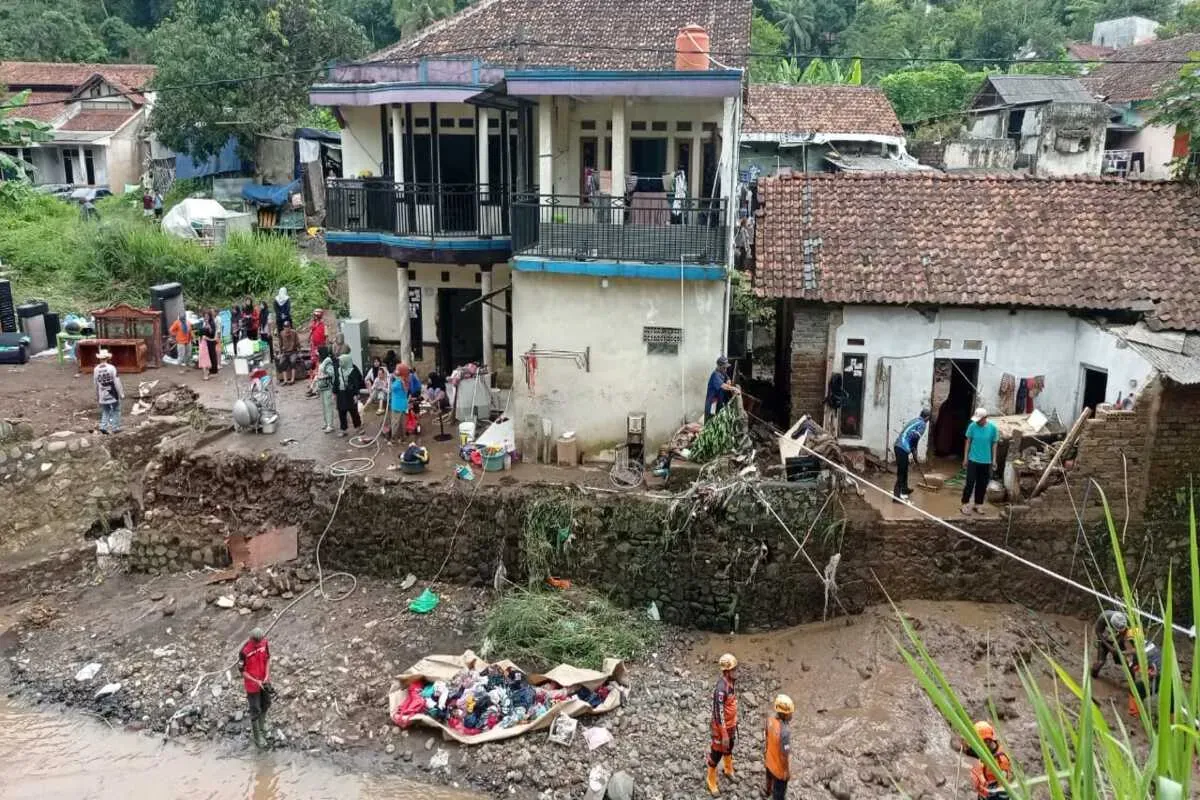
<point>1072,435</point>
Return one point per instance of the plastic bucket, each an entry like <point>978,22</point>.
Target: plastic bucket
<point>494,463</point>
<point>466,433</point>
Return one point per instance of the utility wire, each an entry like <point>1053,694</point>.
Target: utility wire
<point>516,43</point>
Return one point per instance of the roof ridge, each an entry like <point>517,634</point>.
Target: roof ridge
<point>1005,177</point>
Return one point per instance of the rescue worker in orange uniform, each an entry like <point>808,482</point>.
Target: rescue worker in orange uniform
<point>1147,686</point>
<point>987,784</point>
<point>724,723</point>
<point>779,749</point>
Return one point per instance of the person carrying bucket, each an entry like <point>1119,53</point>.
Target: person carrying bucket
<point>723,723</point>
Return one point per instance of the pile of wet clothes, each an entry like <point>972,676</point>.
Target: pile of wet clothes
<point>475,701</point>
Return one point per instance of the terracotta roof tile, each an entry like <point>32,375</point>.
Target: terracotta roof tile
<point>42,106</point>
<point>641,33</point>
<point>794,109</point>
<point>1140,81</point>
<point>65,77</point>
<point>98,121</point>
<point>1086,51</point>
<point>933,238</point>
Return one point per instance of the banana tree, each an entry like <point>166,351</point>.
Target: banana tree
<point>17,132</point>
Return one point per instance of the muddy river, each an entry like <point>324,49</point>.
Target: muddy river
<point>48,754</point>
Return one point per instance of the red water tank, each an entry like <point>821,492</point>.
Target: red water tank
<point>691,48</point>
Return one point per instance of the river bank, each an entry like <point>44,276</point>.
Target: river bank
<point>862,727</point>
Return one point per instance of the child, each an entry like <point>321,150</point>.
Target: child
<point>377,386</point>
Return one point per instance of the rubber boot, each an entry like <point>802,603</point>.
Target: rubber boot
<point>710,781</point>
<point>1133,708</point>
<point>727,764</point>
<point>260,737</point>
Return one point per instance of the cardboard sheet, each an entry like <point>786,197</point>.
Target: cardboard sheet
<point>445,667</point>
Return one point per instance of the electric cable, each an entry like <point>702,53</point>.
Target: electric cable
<point>1049,573</point>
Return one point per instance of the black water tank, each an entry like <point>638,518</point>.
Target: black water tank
<point>167,298</point>
<point>8,309</point>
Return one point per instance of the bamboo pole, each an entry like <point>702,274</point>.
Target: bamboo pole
<point>1076,429</point>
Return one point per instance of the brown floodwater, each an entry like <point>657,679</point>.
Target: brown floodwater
<point>48,754</point>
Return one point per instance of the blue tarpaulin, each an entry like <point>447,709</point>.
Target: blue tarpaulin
<point>226,161</point>
<point>268,195</point>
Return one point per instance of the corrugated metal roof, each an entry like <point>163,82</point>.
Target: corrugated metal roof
<point>1174,354</point>
<point>1022,89</point>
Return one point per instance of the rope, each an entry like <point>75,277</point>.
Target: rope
<point>996,548</point>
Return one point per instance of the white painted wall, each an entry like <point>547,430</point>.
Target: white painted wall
<point>1023,344</point>
<point>569,312</point>
<point>374,295</point>
<point>1157,142</point>
<point>362,148</point>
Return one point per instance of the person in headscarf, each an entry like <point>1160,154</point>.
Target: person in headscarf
<point>283,308</point>
<point>321,383</point>
<point>398,403</point>
<point>264,329</point>
<point>348,383</point>
<point>210,344</point>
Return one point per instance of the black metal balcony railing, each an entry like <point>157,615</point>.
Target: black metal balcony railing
<point>378,205</point>
<point>651,229</point>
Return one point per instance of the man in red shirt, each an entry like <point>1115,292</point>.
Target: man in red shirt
<point>254,663</point>
<point>317,337</point>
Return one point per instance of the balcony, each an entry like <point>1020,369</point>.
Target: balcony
<point>439,222</point>
<point>651,230</point>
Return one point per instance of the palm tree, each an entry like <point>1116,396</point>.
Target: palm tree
<point>798,23</point>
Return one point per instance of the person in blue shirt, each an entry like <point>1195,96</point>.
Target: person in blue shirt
<point>979,458</point>
<point>720,389</point>
<point>906,448</point>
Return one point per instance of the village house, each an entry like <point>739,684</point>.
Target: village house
<point>1006,292</point>
<point>1135,147</point>
<point>97,114</point>
<point>800,128</point>
<point>546,189</point>
<point>1045,125</point>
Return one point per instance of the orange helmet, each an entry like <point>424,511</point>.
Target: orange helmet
<point>985,730</point>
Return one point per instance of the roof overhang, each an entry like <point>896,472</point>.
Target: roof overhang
<point>630,83</point>
<point>802,139</point>
<point>344,94</point>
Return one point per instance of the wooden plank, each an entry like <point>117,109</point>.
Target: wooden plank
<point>1076,429</point>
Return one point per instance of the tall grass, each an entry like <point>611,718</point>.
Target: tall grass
<point>53,255</point>
<point>1084,754</point>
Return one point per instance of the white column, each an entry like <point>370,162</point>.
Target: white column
<point>405,322</point>
<point>728,147</point>
<point>82,178</point>
<point>397,144</point>
<point>485,288</point>
<point>620,135</point>
<point>545,151</point>
<point>695,178</point>
<point>482,134</point>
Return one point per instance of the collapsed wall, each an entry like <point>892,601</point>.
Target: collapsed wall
<point>716,558</point>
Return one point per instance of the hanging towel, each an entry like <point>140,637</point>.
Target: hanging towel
<point>1008,390</point>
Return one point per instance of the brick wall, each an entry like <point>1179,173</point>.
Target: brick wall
<point>1174,457</point>
<point>810,338</point>
<point>1112,451</point>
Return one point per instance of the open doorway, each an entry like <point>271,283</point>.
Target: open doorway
<point>460,333</point>
<point>952,402</point>
<point>1095,386</point>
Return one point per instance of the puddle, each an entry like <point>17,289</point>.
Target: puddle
<point>48,754</point>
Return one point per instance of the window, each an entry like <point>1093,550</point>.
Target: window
<point>445,277</point>
<point>637,125</point>
<point>941,344</point>
<point>856,342</point>
<point>972,344</point>
<point>493,124</point>
<point>412,275</point>
<point>421,122</point>
<point>588,125</point>
<point>658,126</point>
<point>466,122</point>
<point>662,341</point>
<point>1016,120</point>
<point>683,126</point>
<point>445,122</point>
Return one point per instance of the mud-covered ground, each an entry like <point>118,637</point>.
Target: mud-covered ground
<point>862,727</point>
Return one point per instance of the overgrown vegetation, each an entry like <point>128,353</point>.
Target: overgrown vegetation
<point>51,254</point>
<point>539,630</point>
<point>1085,755</point>
<point>545,537</point>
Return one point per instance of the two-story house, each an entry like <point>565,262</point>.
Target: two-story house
<point>97,113</point>
<point>545,188</point>
<point>1135,146</point>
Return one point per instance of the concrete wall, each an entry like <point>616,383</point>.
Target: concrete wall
<point>1022,343</point>
<point>985,154</point>
<point>1158,143</point>
<point>374,295</point>
<point>362,149</point>
<point>1071,139</point>
<point>1124,32</point>
<point>568,312</point>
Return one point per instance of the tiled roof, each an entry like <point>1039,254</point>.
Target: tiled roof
<point>932,238</point>
<point>795,109</point>
<point>1086,51</point>
<point>1140,81</point>
<point>98,121</point>
<point>42,106</point>
<point>32,74</point>
<point>585,34</point>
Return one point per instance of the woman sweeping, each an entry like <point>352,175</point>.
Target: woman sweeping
<point>210,344</point>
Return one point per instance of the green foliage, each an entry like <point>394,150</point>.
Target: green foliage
<point>721,434</point>
<point>1084,755</point>
<point>287,42</point>
<point>1187,20</point>
<point>77,266</point>
<point>545,537</point>
<point>539,630</point>
<point>51,30</point>
<point>17,132</point>
<point>1178,103</point>
<point>923,92</point>
<point>766,38</point>
<point>797,21</point>
<point>374,17</point>
<point>821,71</point>
<point>411,16</point>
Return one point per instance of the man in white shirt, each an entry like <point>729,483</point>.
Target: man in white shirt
<point>109,393</point>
